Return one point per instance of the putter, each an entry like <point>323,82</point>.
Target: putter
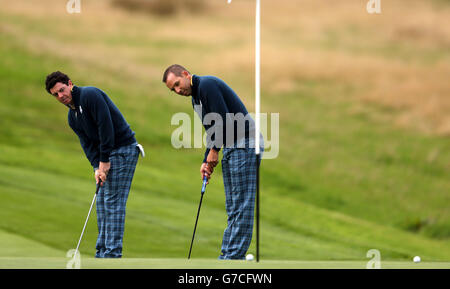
<point>205,179</point>
<point>82,232</point>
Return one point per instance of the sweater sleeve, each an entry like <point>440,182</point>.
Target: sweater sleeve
<point>99,110</point>
<point>214,101</point>
<point>89,148</point>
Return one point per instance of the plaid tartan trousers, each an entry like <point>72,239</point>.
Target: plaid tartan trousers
<point>112,199</point>
<point>239,178</point>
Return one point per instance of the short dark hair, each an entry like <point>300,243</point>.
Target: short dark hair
<point>54,78</point>
<point>175,69</point>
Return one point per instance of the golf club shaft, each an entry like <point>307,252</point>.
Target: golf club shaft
<point>87,219</point>
<point>205,179</point>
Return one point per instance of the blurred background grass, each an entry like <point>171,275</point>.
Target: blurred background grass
<point>364,108</point>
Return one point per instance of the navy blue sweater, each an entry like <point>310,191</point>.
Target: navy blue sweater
<point>98,123</point>
<point>215,96</point>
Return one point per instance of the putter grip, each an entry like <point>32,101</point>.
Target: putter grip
<point>205,179</point>
<point>98,187</point>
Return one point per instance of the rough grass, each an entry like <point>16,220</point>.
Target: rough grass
<point>161,7</point>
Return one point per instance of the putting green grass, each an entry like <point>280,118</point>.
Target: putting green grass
<point>39,256</point>
<point>149,263</point>
<point>14,246</point>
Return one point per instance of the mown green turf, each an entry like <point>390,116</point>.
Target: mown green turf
<point>343,183</point>
<point>142,263</point>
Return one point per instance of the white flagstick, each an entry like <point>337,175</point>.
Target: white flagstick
<point>257,108</point>
<point>257,72</point>
<point>257,105</point>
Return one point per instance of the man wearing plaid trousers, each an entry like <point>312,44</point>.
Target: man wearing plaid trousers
<point>111,148</point>
<point>228,125</point>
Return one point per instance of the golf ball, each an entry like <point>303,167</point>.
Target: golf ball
<point>416,259</point>
<point>249,257</point>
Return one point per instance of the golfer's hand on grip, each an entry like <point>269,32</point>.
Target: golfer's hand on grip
<point>102,172</point>
<point>213,158</point>
<point>206,170</point>
<point>100,177</point>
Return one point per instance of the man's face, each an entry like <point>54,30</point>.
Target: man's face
<point>62,92</point>
<point>180,84</point>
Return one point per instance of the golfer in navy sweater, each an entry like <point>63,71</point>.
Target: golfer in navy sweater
<point>219,108</point>
<point>112,150</point>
